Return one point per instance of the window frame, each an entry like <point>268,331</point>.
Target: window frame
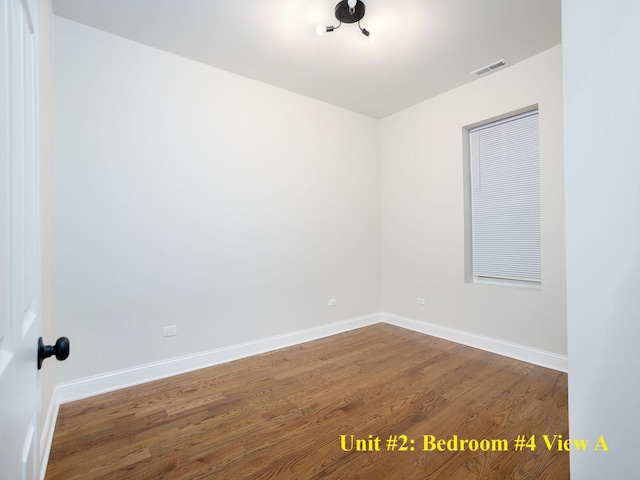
<point>469,274</point>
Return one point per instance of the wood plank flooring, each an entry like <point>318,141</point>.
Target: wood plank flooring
<point>281,415</point>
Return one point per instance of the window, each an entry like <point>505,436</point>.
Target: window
<point>505,199</point>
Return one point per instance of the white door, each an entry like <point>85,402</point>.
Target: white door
<point>19,239</point>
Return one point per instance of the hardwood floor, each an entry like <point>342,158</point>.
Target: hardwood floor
<point>281,415</point>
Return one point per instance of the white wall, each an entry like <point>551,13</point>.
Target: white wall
<point>601,47</point>
<point>423,250</point>
<point>189,196</point>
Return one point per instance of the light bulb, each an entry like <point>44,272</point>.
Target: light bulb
<point>321,30</point>
<point>352,3</point>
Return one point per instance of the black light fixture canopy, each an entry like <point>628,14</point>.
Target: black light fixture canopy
<point>346,14</point>
<point>348,11</point>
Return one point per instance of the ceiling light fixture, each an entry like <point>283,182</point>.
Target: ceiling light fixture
<point>348,11</point>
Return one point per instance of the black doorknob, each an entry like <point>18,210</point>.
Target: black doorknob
<point>60,350</point>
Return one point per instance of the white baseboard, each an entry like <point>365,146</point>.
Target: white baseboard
<point>108,382</point>
<point>48,428</point>
<point>507,349</point>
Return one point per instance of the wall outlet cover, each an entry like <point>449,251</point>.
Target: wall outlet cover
<point>170,331</point>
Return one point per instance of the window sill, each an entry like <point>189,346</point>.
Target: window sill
<point>508,283</point>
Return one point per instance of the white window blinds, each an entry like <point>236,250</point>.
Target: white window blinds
<point>505,171</point>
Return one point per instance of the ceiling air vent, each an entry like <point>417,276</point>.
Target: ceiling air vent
<point>489,68</point>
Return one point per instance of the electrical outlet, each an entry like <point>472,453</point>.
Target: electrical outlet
<point>170,331</point>
<point>333,302</point>
<point>420,301</point>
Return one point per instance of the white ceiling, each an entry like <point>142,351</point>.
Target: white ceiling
<point>422,47</point>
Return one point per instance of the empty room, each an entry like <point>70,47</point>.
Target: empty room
<point>303,239</point>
